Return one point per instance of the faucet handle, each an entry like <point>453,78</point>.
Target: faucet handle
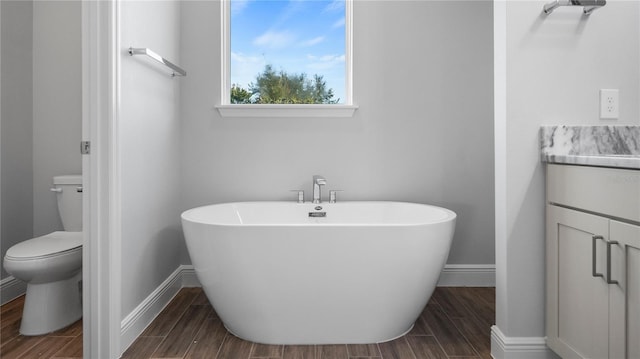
<point>300,194</point>
<point>319,180</point>
<point>333,195</point>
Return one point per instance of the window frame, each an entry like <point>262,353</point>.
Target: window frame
<point>227,109</point>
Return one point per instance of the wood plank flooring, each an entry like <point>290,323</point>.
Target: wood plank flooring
<point>454,325</point>
<point>65,343</point>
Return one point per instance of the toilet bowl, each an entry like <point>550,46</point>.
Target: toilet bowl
<point>51,265</point>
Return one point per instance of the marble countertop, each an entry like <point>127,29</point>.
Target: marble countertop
<point>600,146</point>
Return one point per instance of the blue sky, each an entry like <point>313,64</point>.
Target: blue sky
<point>297,36</point>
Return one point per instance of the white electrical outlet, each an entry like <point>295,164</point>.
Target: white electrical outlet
<point>609,104</point>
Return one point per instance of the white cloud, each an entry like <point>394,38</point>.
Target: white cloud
<point>325,62</point>
<point>274,39</point>
<point>314,41</point>
<point>237,6</point>
<point>245,68</point>
<point>334,5</point>
<point>241,58</point>
<point>339,23</point>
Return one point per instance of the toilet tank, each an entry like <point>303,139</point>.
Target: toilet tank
<point>69,195</point>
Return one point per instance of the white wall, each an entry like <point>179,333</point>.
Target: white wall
<point>17,124</point>
<point>149,132</point>
<point>423,132</point>
<point>57,104</point>
<point>554,68</point>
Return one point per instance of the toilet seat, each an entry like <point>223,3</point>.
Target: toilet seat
<point>47,246</point>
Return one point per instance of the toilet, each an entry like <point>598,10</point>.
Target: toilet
<point>51,265</point>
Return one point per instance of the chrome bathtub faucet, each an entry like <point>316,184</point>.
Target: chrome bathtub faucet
<point>333,195</point>
<point>317,192</point>
<point>300,194</point>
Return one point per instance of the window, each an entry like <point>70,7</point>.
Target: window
<point>287,57</point>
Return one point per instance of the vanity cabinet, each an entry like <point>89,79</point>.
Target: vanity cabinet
<point>593,262</point>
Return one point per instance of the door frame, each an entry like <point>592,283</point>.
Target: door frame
<point>100,171</point>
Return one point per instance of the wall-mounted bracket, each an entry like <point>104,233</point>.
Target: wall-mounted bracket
<point>85,147</point>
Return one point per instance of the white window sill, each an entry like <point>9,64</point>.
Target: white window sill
<point>287,110</point>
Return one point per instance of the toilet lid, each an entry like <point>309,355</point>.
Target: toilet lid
<point>46,246</point>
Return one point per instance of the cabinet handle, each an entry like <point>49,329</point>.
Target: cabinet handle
<point>609,280</point>
<point>594,256</point>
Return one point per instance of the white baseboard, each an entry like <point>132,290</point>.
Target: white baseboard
<point>468,275</point>
<point>11,288</point>
<point>503,347</point>
<point>135,323</point>
<point>189,278</point>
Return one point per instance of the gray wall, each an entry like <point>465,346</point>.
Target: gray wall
<point>1,246</point>
<point>555,66</point>
<point>423,132</point>
<point>41,112</point>
<point>57,104</point>
<point>16,127</point>
<point>149,141</point>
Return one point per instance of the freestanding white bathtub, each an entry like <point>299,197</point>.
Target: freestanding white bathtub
<point>278,273</point>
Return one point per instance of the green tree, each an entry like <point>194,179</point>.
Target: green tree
<point>272,87</point>
<point>240,95</point>
<point>319,91</point>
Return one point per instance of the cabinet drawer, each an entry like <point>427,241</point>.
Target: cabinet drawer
<point>608,191</point>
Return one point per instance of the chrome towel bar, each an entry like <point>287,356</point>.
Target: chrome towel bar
<point>177,71</point>
<point>587,5</point>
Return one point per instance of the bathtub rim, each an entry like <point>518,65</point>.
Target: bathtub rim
<point>451,216</point>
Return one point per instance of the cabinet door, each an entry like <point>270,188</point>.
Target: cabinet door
<point>577,302</point>
<point>624,320</point>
